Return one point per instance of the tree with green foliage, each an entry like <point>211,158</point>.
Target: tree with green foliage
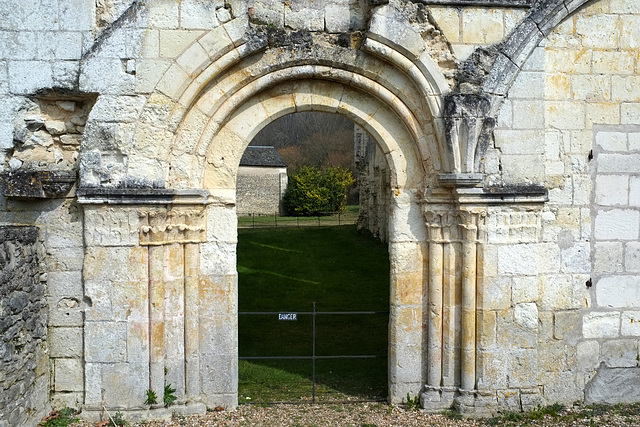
<point>313,191</point>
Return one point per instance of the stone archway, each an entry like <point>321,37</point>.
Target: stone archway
<point>406,244</point>
<point>226,107</point>
<point>179,251</point>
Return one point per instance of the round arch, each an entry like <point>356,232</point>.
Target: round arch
<point>215,133</point>
<point>225,149</point>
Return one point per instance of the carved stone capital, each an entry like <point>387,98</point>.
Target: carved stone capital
<point>451,225</point>
<point>177,224</point>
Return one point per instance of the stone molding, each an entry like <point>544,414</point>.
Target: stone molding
<point>481,3</point>
<point>454,234</point>
<point>465,194</point>
<point>485,78</point>
<point>141,196</point>
<point>175,225</point>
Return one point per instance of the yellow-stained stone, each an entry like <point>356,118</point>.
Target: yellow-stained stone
<point>449,22</point>
<point>630,32</point>
<point>557,87</point>
<point>565,115</point>
<point>591,88</point>
<point>174,42</point>
<point>568,61</point>
<point>625,88</point>
<point>407,288</point>
<point>486,326</point>
<point>482,26</point>
<point>614,62</point>
<point>598,32</point>
<point>603,113</point>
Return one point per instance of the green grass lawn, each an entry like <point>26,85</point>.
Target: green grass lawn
<point>286,270</point>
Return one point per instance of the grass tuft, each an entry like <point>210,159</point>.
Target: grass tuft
<point>61,418</point>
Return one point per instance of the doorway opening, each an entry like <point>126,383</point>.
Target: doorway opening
<point>313,300</point>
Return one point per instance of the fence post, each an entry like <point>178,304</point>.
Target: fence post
<point>313,357</point>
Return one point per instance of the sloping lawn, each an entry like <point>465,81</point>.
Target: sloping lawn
<point>286,271</point>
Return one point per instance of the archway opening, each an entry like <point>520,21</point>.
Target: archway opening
<point>313,291</point>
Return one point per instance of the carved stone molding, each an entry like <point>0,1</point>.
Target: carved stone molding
<point>454,226</point>
<point>173,225</point>
<point>454,237</point>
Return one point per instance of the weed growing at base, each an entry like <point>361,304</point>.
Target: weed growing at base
<point>61,418</point>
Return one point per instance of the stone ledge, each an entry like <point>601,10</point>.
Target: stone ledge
<point>141,196</point>
<point>463,192</point>
<point>94,414</point>
<point>36,184</point>
<point>481,3</point>
<point>25,234</point>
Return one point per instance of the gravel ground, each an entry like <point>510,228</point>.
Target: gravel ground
<point>382,415</point>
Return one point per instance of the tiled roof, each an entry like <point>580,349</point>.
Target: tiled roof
<point>262,156</point>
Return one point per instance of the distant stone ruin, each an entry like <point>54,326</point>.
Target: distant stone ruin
<point>261,183</point>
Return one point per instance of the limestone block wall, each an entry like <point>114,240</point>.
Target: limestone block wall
<point>160,307</point>
<point>40,48</point>
<point>334,16</point>
<point>468,28</point>
<point>42,118</point>
<point>60,225</point>
<point>24,368</point>
<point>568,122</point>
<point>259,190</point>
<point>610,349</point>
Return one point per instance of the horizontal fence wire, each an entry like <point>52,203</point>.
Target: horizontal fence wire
<point>314,356</point>
<point>276,220</point>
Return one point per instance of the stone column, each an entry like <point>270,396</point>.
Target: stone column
<point>174,236</point>
<point>434,366</point>
<point>141,275</point>
<point>453,241</point>
<point>191,321</point>
<point>468,320</point>
<point>156,320</point>
<point>451,302</point>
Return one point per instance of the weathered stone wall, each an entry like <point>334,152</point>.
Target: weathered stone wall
<point>568,123</point>
<point>24,368</point>
<point>510,207</point>
<point>260,190</point>
<point>373,182</point>
<point>611,329</point>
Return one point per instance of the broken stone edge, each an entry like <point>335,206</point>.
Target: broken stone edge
<point>43,184</point>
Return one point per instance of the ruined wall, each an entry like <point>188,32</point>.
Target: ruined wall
<point>24,368</point>
<point>153,103</point>
<point>260,190</point>
<point>372,177</point>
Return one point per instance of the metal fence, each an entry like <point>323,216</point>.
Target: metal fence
<point>255,220</point>
<point>294,316</point>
